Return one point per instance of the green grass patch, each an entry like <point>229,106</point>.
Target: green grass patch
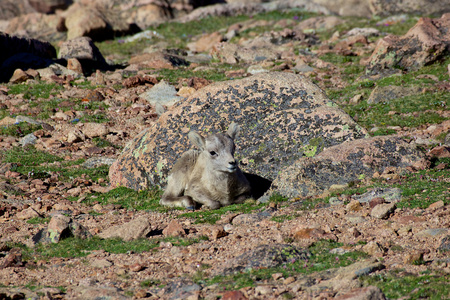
<point>76,247</point>
<point>20,129</point>
<point>212,216</point>
<point>397,285</point>
<point>178,35</point>
<point>129,198</point>
<point>410,111</point>
<point>321,259</point>
<point>424,188</point>
<point>28,157</point>
<point>102,143</point>
<point>419,190</point>
<point>38,220</point>
<point>216,74</point>
<point>39,164</point>
<point>37,90</point>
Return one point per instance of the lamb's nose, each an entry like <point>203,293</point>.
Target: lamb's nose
<point>233,163</point>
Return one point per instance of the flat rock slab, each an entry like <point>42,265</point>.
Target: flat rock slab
<point>342,164</point>
<point>283,116</point>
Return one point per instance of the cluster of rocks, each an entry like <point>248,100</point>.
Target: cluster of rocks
<point>293,140</point>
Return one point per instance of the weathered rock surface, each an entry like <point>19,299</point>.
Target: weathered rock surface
<point>426,42</point>
<point>365,293</point>
<point>61,227</point>
<point>85,51</point>
<point>135,229</point>
<point>13,8</point>
<point>283,116</point>
<point>266,256</point>
<point>342,164</point>
<point>48,27</point>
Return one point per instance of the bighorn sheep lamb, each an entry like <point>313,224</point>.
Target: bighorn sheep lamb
<point>210,176</point>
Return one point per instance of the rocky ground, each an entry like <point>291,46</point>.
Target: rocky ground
<point>67,232</point>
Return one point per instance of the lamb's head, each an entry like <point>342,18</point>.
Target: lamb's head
<point>218,149</point>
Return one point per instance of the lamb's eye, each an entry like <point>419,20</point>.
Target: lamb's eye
<point>212,153</point>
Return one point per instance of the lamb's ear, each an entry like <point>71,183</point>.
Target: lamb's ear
<point>197,139</point>
<point>233,130</point>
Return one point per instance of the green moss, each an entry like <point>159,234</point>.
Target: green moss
<point>20,129</point>
<point>38,220</point>
<point>212,216</point>
<point>76,247</point>
<point>128,198</point>
<point>37,90</point>
<point>321,259</point>
<point>397,285</point>
<point>39,164</point>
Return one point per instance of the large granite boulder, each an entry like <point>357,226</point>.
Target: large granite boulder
<point>341,164</point>
<point>425,43</point>
<point>283,117</point>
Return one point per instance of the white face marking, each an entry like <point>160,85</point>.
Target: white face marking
<point>220,151</point>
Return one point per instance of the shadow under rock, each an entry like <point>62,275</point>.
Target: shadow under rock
<point>259,184</point>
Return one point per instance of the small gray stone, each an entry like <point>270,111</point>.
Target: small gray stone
<point>95,162</point>
<point>29,139</point>
<point>161,93</point>
<point>388,194</point>
<point>433,232</point>
<point>445,244</point>
<point>335,201</point>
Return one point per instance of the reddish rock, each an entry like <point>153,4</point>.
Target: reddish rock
<point>416,257</point>
<point>218,232</point>
<point>19,76</point>
<point>206,42</point>
<point>135,229</point>
<point>174,229</point>
<point>313,233</point>
<point>436,205</point>
<point>12,259</point>
<point>354,205</point>
<point>426,42</point>
<point>74,64</point>
<point>440,152</point>
<point>49,6</point>
<point>92,130</point>
<point>234,295</point>
<point>375,201</point>
<point>139,80</point>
